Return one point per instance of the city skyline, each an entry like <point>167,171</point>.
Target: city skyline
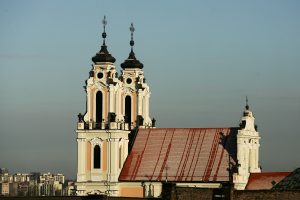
<point>201,60</point>
<point>33,184</point>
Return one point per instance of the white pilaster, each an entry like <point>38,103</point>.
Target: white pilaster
<point>89,111</point>
<point>147,97</point>
<point>82,158</point>
<point>117,104</point>
<point>140,102</point>
<point>114,157</point>
<point>111,99</point>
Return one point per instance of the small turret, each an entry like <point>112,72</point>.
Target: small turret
<point>247,122</point>
<point>247,149</point>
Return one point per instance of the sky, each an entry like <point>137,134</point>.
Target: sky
<point>201,59</point>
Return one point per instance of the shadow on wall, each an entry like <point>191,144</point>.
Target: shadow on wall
<point>229,143</point>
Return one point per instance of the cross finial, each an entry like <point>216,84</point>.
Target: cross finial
<point>247,106</point>
<point>104,22</point>
<point>131,28</point>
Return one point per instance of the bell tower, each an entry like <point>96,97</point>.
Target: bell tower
<point>247,149</point>
<point>101,88</point>
<point>136,92</point>
<point>115,105</point>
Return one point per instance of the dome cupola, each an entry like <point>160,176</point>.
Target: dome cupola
<point>103,55</point>
<point>131,61</point>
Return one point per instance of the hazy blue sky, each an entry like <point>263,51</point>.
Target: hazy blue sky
<point>201,58</point>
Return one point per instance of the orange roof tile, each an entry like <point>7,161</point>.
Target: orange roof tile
<point>264,180</point>
<point>181,155</point>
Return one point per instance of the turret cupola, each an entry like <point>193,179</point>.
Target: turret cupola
<point>131,61</point>
<point>248,119</point>
<point>103,55</point>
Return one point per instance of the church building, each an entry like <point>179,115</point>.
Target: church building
<point>120,152</point>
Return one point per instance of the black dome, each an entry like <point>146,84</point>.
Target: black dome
<point>132,62</point>
<point>103,56</point>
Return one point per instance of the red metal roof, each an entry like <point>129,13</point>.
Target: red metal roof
<point>264,180</point>
<point>181,155</point>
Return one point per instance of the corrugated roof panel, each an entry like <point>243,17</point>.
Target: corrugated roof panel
<point>181,154</point>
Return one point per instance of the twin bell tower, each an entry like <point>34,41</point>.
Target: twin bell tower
<point>115,105</point>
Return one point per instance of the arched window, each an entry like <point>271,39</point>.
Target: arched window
<point>99,103</point>
<point>128,109</point>
<point>97,157</point>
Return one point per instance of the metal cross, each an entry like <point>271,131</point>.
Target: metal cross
<point>131,28</point>
<point>104,22</point>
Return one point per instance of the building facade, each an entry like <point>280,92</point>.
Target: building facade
<point>4,189</point>
<point>121,153</point>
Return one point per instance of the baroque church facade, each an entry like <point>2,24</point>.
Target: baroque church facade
<point>120,152</point>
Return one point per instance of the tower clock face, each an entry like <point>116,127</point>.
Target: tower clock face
<point>128,80</point>
<point>100,75</point>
